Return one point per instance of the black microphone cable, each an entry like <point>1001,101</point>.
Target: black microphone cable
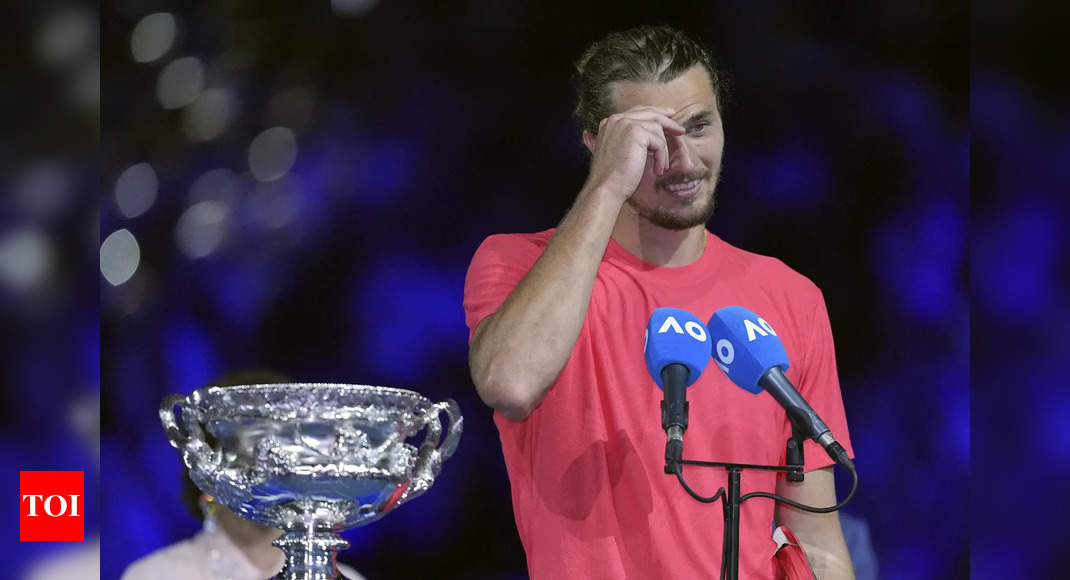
<point>808,508</point>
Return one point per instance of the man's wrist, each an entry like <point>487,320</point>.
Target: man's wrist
<point>604,194</point>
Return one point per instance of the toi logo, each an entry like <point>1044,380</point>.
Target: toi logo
<point>51,506</point>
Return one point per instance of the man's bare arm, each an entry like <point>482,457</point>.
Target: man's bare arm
<point>517,352</point>
<point>820,534</point>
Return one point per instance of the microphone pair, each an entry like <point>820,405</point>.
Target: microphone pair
<point>678,346</point>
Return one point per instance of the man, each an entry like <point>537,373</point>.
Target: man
<point>557,319</point>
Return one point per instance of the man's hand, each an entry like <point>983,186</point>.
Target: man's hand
<point>625,143</point>
<point>819,534</point>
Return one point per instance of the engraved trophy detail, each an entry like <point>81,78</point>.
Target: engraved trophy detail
<point>311,459</point>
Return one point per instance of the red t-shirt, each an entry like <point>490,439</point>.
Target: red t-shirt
<point>590,495</point>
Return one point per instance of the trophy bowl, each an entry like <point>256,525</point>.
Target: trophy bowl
<point>311,458</point>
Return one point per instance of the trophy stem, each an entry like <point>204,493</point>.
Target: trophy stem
<point>311,549</point>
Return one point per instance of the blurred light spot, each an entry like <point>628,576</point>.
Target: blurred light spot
<point>208,116</point>
<point>907,104</point>
<point>275,204</point>
<point>1051,424</point>
<point>215,184</point>
<point>921,253</point>
<point>409,287</point>
<point>385,169</point>
<point>272,153</point>
<point>953,395</point>
<point>25,259</point>
<point>1021,245</point>
<point>189,352</point>
<point>85,86</point>
<point>794,175</point>
<point>352,7</point>
<point>84,417</point>
<point>152,37</point>
<point>243,291</point>
<point>292,108</point>
<point>180,82</point>
<point>201,228</point>
<point>119,257</point>
<point>66,37</point>
<point>136,189</point>
<point>43,190</point>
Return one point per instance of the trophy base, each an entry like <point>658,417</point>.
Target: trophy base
<point>310,546</point>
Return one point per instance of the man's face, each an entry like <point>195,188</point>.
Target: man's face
<point>684,196</point>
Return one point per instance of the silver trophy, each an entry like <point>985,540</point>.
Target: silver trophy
<point>311,459</point>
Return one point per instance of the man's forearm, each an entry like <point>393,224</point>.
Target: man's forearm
<point>517,353</point>
<point>820,535</point>
<point>829,563</point>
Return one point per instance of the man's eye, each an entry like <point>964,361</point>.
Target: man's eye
<point>698,129</point>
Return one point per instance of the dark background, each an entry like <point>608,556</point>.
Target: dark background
<point>853,138</point>
<point>420,129</point>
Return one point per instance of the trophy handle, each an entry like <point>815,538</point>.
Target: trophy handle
<point>190,439</point>
<point>175,434</point>
<point>435,449</point>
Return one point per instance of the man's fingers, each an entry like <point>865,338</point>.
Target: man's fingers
<point>668,125</point>
<point>657,146</point>
<point>661,115</point>
<point>667,111</point>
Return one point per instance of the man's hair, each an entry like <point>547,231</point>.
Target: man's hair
<point>643,54</point>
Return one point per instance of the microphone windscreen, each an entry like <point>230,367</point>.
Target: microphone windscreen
<point>676,336</point>
<point>745,346</point>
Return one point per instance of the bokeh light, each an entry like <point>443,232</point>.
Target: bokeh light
<point>67,36</point>
<point>136,190</point>
<point>120,256</point>
<point>208,116</point>
<point>215,184</point>
<point>153,37</point>
<point>353,7</point>
<point>26,259</point>
<point>275,204</point>
<point>201,228</point>
<point>272,153</point>
<point>43,189</point>
<point>180,82</point>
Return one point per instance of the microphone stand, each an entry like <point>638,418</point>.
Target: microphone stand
<point>732,501</point>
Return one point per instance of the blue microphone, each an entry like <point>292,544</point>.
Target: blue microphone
<point>749,352</point>
<point>677,349</point>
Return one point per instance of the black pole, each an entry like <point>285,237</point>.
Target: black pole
<point>794,455</point>
<point>731,524</point>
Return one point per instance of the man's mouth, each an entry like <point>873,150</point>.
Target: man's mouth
<point>684,189</point>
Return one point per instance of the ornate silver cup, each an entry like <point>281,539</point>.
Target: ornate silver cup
<point>311,459</point>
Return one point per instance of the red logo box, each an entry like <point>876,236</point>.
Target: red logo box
<point>52,506</point>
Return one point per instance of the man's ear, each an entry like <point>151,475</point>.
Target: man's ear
<point>589,139</point>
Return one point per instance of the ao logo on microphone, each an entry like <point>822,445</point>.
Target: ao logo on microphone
<point>696,330</point>
<point>51,506</point>
<point>726,353</point>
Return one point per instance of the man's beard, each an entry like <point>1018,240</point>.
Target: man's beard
<point>675,219</point>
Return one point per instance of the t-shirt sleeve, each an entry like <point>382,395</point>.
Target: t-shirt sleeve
<point>819,384</point>
<point>497,267</point>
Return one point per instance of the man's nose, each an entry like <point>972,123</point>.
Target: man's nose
<point>681,158</point>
